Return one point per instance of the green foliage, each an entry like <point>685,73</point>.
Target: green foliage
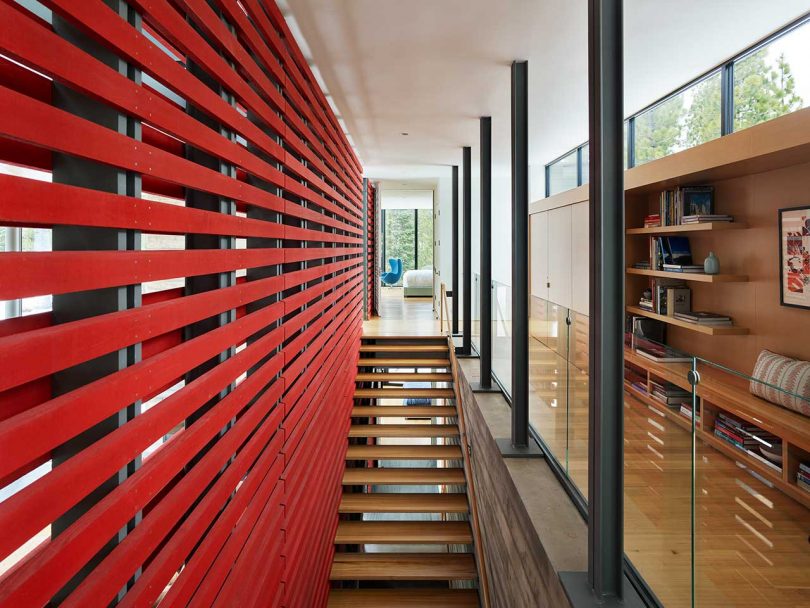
<point>658,131</point>
<point>399,235</point>
<point>761,92</point>
<point>425,238</point>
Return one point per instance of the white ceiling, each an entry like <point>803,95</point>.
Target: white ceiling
<point>432,67</point>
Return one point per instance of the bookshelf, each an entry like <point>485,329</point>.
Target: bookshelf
<point>704,227</point>
<point>717,394</point>
<point>689,276</point>
<point>708,330</point>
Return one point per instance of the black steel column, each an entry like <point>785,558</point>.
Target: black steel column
<point>485,287</point>
<point>519,445</point>
<point>605,479</point>
<point>68,307</point>
<point>520,254</point>
<point>466,248</point>
<point>454,247</point>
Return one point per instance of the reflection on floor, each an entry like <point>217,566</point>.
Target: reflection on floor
<point>751,541</point>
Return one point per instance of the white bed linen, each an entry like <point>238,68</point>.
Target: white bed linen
<point>418,278</point>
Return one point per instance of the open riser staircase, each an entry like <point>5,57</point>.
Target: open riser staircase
<point>407,532</point>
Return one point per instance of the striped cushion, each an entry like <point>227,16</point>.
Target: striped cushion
<point>791,375</point>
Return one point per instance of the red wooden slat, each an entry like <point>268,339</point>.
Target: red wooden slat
<point>232,515</point>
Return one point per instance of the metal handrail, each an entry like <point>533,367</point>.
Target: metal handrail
<point>483,582</point>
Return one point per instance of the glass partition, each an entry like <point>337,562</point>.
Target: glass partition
<point>502,334</point>
<point>752,487</point>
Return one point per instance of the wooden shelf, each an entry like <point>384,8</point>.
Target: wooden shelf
<point>703,329</point>
<point>715,395</point>
<point>690,276</point>
<point>704,227</point>
<point>650,401</point>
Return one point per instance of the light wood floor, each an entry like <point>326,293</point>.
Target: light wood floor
<point>401,316</point>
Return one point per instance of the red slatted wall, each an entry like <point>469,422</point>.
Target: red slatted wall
<point>238,507</point>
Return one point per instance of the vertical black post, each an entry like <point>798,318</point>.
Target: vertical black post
<point>466,247</point>
<point>365,248</point>
<point>727,99</point>
<point>68,169</point>
<point>518,444</point>
<point>454,247</point>
<point>520,254</point>
<point>416,239</point>
<point>486,253</point>
<point>605,479</point>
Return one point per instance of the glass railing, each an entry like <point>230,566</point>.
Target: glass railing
<point>717,504</point>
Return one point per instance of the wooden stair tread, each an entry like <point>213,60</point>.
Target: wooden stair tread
<point>403,598</point>
<point>379,502</point>
<point>404,348</point>
<point>403,430</point>
<point>402,337</point>
<point>404,377</point>
<point>404,393</point>
<point>407,411</point>
<point>403,567</point>
<point>403,476</point>
<point>402,532</point>
<point>403,452</point>
<point>400,362</point>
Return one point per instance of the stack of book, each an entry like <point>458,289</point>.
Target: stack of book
<point>747,437</point>
<point>674,205</point>
<point>652,221</point>
<point>686,411</point>
<point>702,219</point>
<point>803,476</point>
<point>636,379</point>
<point>704,318</point>
<point>642,265</point>
<point>666,297</point>
<point>670,394</point>
<point>671,253</point>
<point>693,268</point>
<point>661,354</point>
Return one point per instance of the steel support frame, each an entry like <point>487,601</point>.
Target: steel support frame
<point>69,307</point>
<point>466,248</point>
<point>519,445</point>
<point>454,248</point>
<point>485,285</point>
<point>605,583</point>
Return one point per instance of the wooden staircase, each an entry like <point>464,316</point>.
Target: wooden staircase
<point>407,534</point>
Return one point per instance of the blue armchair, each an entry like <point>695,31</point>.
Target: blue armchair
<point>393,277</point>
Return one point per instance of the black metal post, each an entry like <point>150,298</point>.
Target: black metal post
<point>68,307</point>
<point>466,247</point>
<point>605,583</point>
<point>454,247</point>
<point>485,287</point>
<point>519,444</point>
<point>605,479</point>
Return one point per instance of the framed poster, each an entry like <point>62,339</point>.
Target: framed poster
<point>794,256</point>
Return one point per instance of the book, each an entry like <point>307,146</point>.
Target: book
<point>697,200</point>
<point>679,299</point>
<point>805,466</point>
<point>678,251</point>
<point>662,354</point>
<point>701,219</point>
<point>703,318</point>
